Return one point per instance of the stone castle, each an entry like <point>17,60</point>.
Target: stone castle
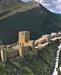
<point>26,46</point>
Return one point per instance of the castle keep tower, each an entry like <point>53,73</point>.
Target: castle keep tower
<point>24,37</point>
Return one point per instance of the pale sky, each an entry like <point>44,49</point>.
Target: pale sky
<point>51,5</point>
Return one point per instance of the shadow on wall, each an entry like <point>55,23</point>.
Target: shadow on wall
<point>37,20</point>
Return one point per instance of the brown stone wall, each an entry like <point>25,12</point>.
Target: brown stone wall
<point>13,54</point>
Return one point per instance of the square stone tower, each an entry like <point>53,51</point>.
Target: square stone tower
<point>24,37</point>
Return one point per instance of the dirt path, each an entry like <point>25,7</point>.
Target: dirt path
<point>55,72</point>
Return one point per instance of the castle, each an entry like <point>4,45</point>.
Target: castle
<point>26,46</point>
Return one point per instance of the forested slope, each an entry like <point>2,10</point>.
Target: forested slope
<point>38,21</point>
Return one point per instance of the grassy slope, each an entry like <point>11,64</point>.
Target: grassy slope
<point>42,64</point>
<point>60,59</point>
<point>59,72</point>
<point>38,21</point>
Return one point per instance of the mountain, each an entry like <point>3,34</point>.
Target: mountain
<point>52,5</point>
<point>8,4</point>
<point>38,21</point>
<point>41,64</point>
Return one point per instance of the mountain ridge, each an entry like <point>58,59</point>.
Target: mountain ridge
<point>38,21</point>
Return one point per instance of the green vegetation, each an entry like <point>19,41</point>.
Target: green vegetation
<point>36,20</point>
<point>15,7</point>
<point>43,64</point>
<point>11,6</point>
<point>59,73</point>
<point>60,59</point>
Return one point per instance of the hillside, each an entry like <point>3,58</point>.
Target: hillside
<point>37,20</point>
<point>41,64</point>
<point>8,4</point>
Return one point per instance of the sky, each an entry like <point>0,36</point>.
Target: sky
<point>51,5</point>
